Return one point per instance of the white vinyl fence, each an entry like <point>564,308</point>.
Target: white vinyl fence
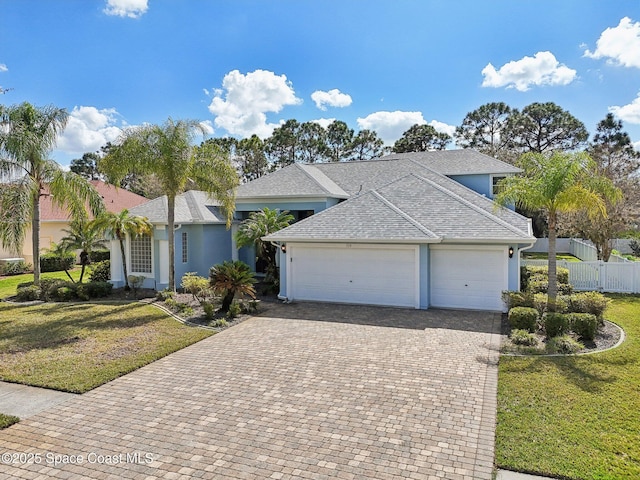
<point>619,275</point>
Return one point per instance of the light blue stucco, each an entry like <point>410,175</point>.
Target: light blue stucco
<point>477,183</point>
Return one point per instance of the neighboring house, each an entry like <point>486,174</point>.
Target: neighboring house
<point>54,220</point>
<point>414,230</point>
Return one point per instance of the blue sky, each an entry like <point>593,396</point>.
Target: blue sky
<point>243,67</point>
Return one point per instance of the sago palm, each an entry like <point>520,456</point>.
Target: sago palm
<point>557,183</point>
<point>231,278</point>
<point>167,152</point>
<point>118,226</point>
<point>27,135</point>
<point>258,225</point>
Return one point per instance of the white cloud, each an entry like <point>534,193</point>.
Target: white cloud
<point>390,125</point>
<point>241,105</point>
<point>628,113</point>
<point>619,45</point>
<point>126,8</point>
<point>443,127</point>
<point>332,98</point>
<point>88,129</point>
<point>324,122</point>
<point>3,68</point>
<point>636,146</point>
<point>541,69</point>
<point>207,125</point>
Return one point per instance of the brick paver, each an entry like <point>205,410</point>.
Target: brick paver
<point>311,391</point>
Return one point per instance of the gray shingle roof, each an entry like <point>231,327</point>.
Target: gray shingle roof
<point>458,162</point>
<point>293,181</point>
<point>340,180</point>
<point>410,209</point>
<point>191,207</point>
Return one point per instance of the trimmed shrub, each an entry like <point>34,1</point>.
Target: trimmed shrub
<point>28,293</point>
<point>517,299</point>
<point>14,268</point>
<point>585,325</point>
<point>523,318</point>
<point>540,301</point>
<point>97,289</point>
<point>555,324</point>
<point>100,256</point>
<point>564,344</point>
<point>64,294</point>
<point>594,303</point>
<point>522,337</point>
<point>100,271</point>
<point>561,273</point>
<point>50,262</point>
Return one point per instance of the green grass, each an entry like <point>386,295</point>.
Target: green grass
<point>8,285</point>
<point>544,256</point>
<point>77,347</point>
<point>574,417</point>
<point>7,420</point>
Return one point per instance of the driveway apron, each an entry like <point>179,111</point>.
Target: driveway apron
<point>309,391</point>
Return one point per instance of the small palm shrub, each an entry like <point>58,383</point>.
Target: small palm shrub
<point>564,344</point>
<point>555,324</point>
<point>232,278</point>
<point>165,294</point>
<point>517,299</point>
<point>523,318</point>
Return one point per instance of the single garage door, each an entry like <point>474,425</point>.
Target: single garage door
<point>350,273</point>
<point>468,277</point>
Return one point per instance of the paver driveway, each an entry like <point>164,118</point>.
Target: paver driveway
<point>311,391</point>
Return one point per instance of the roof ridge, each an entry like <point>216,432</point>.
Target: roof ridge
<point>403,214</point>
<point>312,177</point>
<point>466,202</point>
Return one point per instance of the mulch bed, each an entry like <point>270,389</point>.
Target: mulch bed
<point>608,336</point>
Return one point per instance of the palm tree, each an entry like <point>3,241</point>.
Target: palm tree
<point>119,225</point>
<point>231,278</point>
<point>85,236</point>
<point>27,135</point>
<point>167,152</point>
<point>557,183</point>
<point>258,225</point>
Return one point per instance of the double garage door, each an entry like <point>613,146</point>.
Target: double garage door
<point>460,277</point>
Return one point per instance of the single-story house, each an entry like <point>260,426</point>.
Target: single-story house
<point>54,220</point>
<point>414,230</point>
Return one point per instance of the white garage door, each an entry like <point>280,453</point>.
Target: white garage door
<point>374,275</point>
<point>468,277</point>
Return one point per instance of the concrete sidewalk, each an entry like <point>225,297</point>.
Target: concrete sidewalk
<point>23,401</point>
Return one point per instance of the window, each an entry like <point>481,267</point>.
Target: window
<point>495,188</point>
<point>185,247</point>
<point>141,254</point>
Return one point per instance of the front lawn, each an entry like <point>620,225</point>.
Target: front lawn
<point>9,285</point>
<point>545,256</point>
<point>77,347</point>
<point>574,417</point>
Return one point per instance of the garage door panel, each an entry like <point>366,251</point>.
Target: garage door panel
<point>468,278</point>
<point>377,276</point>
